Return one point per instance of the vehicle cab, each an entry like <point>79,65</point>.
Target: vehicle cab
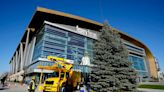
<point>56,82</point>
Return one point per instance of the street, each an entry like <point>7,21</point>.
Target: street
<point>14,88</point>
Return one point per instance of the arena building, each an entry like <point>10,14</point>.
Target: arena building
<point>68,36</point>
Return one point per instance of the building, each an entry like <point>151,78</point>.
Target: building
<point>160,73</point>
<point>60,34</point>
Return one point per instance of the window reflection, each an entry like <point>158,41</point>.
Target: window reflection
<point>58,42</point>
<point>138,64</point>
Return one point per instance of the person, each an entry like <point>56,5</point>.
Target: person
<point>82,88</point>
<point>32,85</point>
<point>3,82</point>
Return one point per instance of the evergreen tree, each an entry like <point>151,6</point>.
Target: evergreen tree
<point>112,70</point>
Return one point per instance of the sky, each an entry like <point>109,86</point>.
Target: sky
<point>142,19</point>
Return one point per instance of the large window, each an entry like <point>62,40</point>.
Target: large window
<point>57,42</point>
<point>62,43</point>
<point>38,45</point>
<point>138,63</point>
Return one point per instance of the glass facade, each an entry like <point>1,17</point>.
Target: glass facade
<point>57,42</point>
<point>134,49</point>
<point>39,45</point>
<point>138,64</point>
<point>62,43</point>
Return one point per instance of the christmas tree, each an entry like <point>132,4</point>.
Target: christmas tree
<point>112,70</point>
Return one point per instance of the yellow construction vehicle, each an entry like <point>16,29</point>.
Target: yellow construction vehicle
<point>63,76</point>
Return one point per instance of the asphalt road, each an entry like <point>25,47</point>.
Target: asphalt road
<point>17,88</point>
<point>13,88</point>
<point>23,88</point>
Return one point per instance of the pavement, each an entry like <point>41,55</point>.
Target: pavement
<point>149,90</point>
<point>153,83</point>
<point>15,87</point>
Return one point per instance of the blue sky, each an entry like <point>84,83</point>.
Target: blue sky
<point>142,19</point>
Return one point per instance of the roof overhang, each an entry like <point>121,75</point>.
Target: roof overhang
<point>43,14</point>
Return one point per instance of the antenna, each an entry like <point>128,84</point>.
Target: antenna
<point>101,10</point>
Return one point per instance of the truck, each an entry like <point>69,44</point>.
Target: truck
<point>64,78</point>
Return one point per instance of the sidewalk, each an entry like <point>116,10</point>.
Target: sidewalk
<point>14,87</point>
<point>17,87</point>
<point>153,83</point>
<point>149,90</point>
<point>3,87</point>
<point>24,87</point>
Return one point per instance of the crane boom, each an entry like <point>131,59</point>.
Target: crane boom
<point>60,63</point>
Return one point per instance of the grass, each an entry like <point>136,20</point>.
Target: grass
<point>161,87</point>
